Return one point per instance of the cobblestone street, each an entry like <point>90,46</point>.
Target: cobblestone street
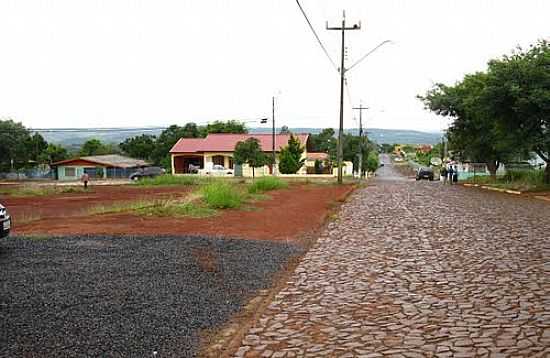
<point>417,269</point>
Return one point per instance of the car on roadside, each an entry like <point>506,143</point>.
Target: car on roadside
<point>147,172</point>
<point>218,170</point>
<point>425,173</point>
<point>5,222</point>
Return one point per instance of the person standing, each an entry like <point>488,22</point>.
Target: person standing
<point>85,178</point>
<point>443,174</point>
<point>455,174</point>
<point>450,173</point>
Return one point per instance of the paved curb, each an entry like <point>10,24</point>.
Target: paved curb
<point>508,191</point>
<point>486,187</point>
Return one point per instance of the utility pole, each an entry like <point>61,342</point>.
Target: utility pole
<point>273,133</point>
<point>340,152</point>
<point>361,144</point>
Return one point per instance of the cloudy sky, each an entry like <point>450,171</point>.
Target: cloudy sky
<point>119,63</point>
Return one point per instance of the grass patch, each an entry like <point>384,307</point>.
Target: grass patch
<point>165,208</point>
<point>35,190</point>
<point>222,195</point>
<point>166,180</point>
<point>267,183</point>
<point>520,180</point>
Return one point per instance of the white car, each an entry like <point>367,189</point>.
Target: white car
<point>218,170</point>
<point>5,222</point>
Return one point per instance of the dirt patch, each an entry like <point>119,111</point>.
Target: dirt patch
<point>62,205</point>
<point>287,215</point>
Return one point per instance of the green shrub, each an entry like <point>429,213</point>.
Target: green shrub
<point>222,195</point>
<point>266,183</point>
<point>526,176</point>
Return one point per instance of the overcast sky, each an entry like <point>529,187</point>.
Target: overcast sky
<point>115,63</point>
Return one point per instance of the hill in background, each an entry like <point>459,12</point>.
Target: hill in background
<point>74,140</point>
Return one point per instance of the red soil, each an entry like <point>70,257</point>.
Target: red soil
<point>289,214</point>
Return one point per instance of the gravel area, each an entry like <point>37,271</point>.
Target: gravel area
<point>125,297</point>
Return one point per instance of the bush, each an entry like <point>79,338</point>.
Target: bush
<point>266,184</point>
<point>222,195</point>
<point>527,176</point>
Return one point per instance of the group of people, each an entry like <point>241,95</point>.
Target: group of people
<point>449,173</point>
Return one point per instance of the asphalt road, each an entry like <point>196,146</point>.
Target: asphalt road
<point>125,297</point>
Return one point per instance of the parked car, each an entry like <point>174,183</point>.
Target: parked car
<point>218,170</point>
<point>147,172</point>
<point>425,173</point>
<point>5,222</point>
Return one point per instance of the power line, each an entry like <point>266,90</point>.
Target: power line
<point>317,37</point>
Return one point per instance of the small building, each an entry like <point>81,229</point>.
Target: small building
<point>217,149</point>
<point>98,167</point>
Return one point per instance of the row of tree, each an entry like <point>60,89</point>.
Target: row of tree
<point>19,148</point>
<point>501,114</point>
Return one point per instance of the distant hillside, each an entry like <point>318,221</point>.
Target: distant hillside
<point>380,136</point>
<point>390,136</point>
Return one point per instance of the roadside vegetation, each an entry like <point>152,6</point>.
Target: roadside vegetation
<point>210,196</point>
<point>520,180</point>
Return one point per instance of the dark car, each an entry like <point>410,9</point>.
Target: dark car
<point>425,173</point>
<point>147,172</point>
<point>5,222</point>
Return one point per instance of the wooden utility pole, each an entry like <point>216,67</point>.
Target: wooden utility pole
<point>361,144</point>
<point>273,133</point>
<point>340,152</point>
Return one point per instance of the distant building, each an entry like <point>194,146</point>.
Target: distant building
<point>98,166</point>
<point>217,149</point>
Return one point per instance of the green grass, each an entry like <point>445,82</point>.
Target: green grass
<point>35,190</point>
<point>164,180</point>
<point>222,195</point>
<point>521,180</point>
<point>267,183</point>
<point>167,208</point>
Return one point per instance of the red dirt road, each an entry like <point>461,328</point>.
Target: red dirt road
<point>289,214</point>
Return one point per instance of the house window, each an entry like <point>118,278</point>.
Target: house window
<point>70,172</point>
<point>218,160</point>
<point>230,163</point>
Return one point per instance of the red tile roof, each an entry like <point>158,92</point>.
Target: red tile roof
<point>223,142</point>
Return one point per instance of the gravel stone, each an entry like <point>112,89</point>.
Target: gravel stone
<point>125,296</point>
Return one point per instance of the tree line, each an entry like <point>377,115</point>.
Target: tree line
<point>502,114</point>
<point>28,149</point>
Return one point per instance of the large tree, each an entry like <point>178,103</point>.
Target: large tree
<point>518,96</point>
<point>141,146</point>
<point>231,126</point>
<point>166,140</point>
<point>14,138</point>
<point>474,133</point>
<point>95,147</point>
<point>250,152</point>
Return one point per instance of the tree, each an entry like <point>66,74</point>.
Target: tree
<point>141,147</point>
<point>284,130</point>
<point>250,152</point>
<point>35,146</point>
<point>166,140</point>
<point>54,153</point>
<point>474,133</point>
<point>231,126</point>
<point>518,95</point>
<point>14,138</point>
<point>372,162</point>
<point>324,142</point>
<point>94,147</point>
<point>290,157</point>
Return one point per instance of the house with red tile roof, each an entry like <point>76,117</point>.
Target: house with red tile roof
<point>217,149</point>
